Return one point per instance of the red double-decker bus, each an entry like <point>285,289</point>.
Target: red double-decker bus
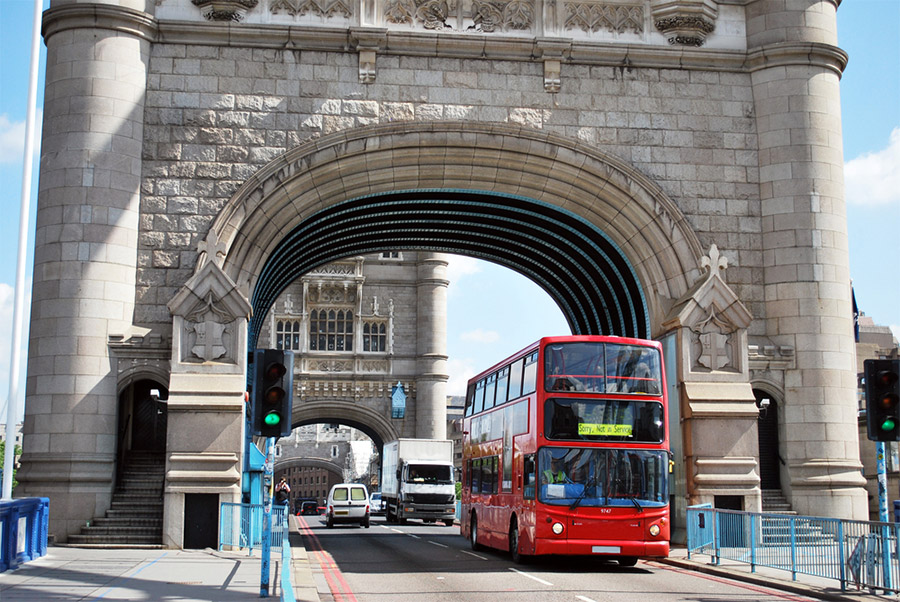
<point>565,451</point>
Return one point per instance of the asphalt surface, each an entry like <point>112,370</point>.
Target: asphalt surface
<point>70,573</point>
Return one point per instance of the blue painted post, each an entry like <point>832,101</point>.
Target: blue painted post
<point>882,482</point>
<point>793,549</point>
<point>267,519</point>
<point>843,561</point>
<point>752,544</point>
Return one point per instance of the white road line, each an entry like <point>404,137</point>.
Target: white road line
<point>538,579</point>
<point>440,545</point>
<point>475,555</point>
<point>397,531</point>
<point>414,536</point>
<point>585,599</point>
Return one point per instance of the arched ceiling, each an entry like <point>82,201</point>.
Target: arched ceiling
<point>576,263</point>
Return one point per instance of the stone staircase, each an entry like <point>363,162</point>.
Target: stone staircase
<point>774,502</point>
<point>776,531</point>
<point>134,519</point>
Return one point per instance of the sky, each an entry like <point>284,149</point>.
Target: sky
<point>481,333</point>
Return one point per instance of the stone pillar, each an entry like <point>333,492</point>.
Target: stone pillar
<point>717,406</point>
<point>205,435</point>
<point>795,69</point>
<point>431,347</point>
<point>85,253</point>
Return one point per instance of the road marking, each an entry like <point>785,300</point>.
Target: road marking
<point>475,555</point>
<point>585,599</point>
<point>440,545</point>
<point>414,536</point>
<point>538,579</point>
<point>396,530</point>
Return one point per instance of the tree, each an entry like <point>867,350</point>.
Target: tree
<point>18,452</point>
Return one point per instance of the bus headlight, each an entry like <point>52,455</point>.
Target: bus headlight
<point>654,530</point>
<point>557,528</point>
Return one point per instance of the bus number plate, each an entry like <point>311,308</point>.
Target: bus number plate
<point>606,550</point>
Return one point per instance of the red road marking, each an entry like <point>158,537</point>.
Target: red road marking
<point>752,588</point>
<point>339,587</point>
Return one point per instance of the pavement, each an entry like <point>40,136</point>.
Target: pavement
<point>111,575</point>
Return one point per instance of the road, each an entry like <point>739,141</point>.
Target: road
<point>427,563</point>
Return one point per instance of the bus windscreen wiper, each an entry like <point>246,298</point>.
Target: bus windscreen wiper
<point>583,493</point>
<point>637,504</point>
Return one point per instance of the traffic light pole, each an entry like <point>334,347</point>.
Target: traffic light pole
<point>267,518</point>
<point>882,482</point>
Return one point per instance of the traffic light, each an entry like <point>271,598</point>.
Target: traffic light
<point>273,380</point>
<point>883,399</point>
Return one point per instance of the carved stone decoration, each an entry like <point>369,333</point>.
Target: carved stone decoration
<point>320,8</point>
<point>713,348</point>
<point>488,17</point>
<point>400,12</point>
<point>331,366</point>
<point>615,18</point>
<point>553,52</point>
<point>210,318</point>
<point>207,330</point>
<point>369,41</point>
<point>332,295</point>
<point>684,22</point>
<point>225,10</point>
<point>212,248</point>
<point>431,14</point>
<point>713,322</point>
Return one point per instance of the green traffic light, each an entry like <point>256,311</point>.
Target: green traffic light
<point>888,425</point>
<point>272,419</point>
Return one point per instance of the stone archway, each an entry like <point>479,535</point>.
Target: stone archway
<point>374,424</point>
<point>644,230</point>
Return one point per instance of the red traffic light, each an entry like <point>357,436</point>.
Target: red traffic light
<point>275,371</point>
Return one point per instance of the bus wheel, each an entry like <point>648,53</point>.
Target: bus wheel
<point>473,534</point>
<point>517,556</point>
<point>627,560</point>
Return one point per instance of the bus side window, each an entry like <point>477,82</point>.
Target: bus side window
<point>528,476</point>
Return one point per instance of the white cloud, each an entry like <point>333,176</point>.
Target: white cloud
<point>460,265</point>
<point>480,336</point>
<point>460,370</point>
<point>12,138</point>
<point>874,178</point>
<point>7,301</point>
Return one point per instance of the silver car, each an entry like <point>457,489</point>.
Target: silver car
<point>377,503</point>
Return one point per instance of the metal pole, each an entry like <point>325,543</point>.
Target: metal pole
<point>12,401</point>
<point>267,519</point>
<point>882,482</point>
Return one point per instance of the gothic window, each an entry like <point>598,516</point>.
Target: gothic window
<point>374,336</point>
<point>331,330</point>
<point>287,335</point>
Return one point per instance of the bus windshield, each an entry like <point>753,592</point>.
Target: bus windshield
<point>633,478</point>
<point>602,368</point>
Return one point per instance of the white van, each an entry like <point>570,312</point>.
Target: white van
<point>347,503</point>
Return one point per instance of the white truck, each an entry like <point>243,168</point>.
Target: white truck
<point>417,480</point>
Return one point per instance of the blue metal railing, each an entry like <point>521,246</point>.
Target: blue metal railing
<point>23,530</point>
<point>864,553</point>
<point>287,584</point>
<point>240,526</point>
